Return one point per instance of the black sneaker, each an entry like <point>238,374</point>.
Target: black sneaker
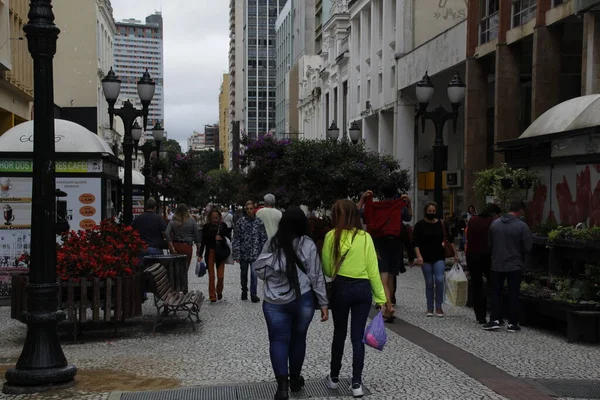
<point>244,296</point>
<point>296,383</point>
<point>513,328</point>
<point>220,296</point>
<point>255,298</point>
<point>492,326</point>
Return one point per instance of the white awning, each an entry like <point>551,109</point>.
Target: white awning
<point>137,178</point>
<point>69,138</point>
<point>578,113</point>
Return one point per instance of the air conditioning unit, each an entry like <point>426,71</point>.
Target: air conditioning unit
<point>454,179</point>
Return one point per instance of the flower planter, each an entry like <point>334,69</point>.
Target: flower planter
<point>94,299</point>
<point>546,312</point>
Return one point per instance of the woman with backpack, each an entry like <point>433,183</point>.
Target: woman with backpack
<point>291,270</point>
<point>350,260</point>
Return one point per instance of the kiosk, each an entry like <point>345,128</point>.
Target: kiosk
<point>86,171</point>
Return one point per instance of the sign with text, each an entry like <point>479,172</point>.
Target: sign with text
<point>80,166</point>
<point>433,17</point>
<point>84,201</point>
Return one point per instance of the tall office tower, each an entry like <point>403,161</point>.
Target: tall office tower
<point>260,65</point>
<point>236,79</point>
<point>139,46</point>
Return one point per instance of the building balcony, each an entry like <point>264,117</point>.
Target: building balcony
<point>344,44</point>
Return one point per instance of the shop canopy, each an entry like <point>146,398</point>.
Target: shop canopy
<point>570,129</point>
<point>69,138</point>
<point>137,178</point>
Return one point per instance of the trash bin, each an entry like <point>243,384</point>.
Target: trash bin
<point>177,269</point>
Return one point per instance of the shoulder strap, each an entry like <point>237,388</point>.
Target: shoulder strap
<point>444,231</point>
<point>338,265</point>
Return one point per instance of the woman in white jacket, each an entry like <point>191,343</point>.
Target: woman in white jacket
<point>291,270</point>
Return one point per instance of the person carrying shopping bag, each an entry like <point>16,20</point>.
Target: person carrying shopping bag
<point>432,246</point>
<point>291,269</point>
<point>214,231</point>
<point>350,260</point>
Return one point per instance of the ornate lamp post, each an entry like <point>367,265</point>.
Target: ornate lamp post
<point>111,85</point>
<point>147,148</point>
<point>42,364</point>
<point>354,132</point>
<point>333,132</point>
<point>439,116</point>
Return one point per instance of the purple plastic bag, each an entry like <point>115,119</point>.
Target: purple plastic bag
<point>375,335</point>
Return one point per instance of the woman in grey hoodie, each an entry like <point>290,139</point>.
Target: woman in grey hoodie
<point>293,277</point>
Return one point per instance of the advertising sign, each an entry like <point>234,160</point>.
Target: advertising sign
<point>138,205</point>
<point>80,167</point>
<point>84,201</point>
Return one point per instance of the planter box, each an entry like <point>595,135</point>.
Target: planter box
<point>108,299</point>
<point>582,320</point>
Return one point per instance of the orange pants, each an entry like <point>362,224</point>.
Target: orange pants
<point>184,248</point>
<point>210,266</point>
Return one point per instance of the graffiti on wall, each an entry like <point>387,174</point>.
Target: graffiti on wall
<point>434,17</point>
<point>568,194</point>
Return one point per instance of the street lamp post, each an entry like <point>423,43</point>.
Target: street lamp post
<point>42,364</point>
<point>147,148</point>
<point>111,85</point>
<point>439,116</point>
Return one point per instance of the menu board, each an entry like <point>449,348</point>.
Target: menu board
<point>84,201</point>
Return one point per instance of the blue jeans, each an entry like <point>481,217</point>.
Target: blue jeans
<point>349,296</point>
<point>244,267</point>
<point>288,324</point>
<point>151,251</point>
<point>434,276</point>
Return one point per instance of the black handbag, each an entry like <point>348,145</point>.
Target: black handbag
<point>222,250</point>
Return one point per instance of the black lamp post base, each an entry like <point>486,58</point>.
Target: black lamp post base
<point>61,378</point>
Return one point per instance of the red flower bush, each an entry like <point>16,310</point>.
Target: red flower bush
<point>107,250</point>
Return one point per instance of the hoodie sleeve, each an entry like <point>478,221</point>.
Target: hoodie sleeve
<point>238,233</point>
<point>314,271</point>
<point>373,272</point>
<point>262,265</point>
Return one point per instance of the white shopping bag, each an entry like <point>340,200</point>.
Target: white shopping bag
<point>456,287</point>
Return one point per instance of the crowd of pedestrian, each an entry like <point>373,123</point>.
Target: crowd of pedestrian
<point>342,262</point>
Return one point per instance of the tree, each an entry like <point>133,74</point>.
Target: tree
<point>316,173</point>
<point>228,186</point>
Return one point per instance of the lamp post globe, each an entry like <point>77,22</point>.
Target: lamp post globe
<point>425,90</point>
<point>354,131</point>
<point>136,132</point>
<point>158,133</point>
<point>111,86</point>
<point>333,132</point>
<point>456,90</point>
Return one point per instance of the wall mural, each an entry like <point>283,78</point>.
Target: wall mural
<point>568,194</point>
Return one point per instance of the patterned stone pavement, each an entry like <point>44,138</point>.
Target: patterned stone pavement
<point>231,346</point>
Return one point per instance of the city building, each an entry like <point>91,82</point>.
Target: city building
<point>83,58</point>
<point>237,85</point>
<point>260,65</point>
<point>211,136</point>
<point>295,29</point>
<point>196,142</point>
<point>322,13</point>
<point>139,47</point>
<point>224,121</point>
<point>16,66</point>
<point>284,28</point>
<point>523,59</point>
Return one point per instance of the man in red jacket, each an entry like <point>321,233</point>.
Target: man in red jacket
<point>479,260</point>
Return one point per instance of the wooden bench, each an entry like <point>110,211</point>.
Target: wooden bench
<point>169,301</point>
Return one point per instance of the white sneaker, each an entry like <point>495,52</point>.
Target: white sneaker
<point>357,390</point>
<point>332,383</point>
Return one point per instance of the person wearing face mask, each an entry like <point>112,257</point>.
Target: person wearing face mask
<point>429,242</point>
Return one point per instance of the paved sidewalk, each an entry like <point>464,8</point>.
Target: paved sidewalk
<point>231,347</point>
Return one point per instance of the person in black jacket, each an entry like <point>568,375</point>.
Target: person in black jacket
<point>214,230</point>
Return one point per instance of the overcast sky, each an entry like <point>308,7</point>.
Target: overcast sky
<point>196,45</point>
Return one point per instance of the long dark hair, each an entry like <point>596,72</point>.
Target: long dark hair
<point>344,216</point>
<point>293,225</point>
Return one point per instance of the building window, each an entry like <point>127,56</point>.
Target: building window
<point>488,22</point>
<point>523,11</point>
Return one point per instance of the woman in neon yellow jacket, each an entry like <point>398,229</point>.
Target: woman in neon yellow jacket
<point>349,259</point>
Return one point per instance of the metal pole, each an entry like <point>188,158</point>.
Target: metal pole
<point>128,180</point>
<point>439,116</point>
<point>147,149</point>
<point>42,364</point>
